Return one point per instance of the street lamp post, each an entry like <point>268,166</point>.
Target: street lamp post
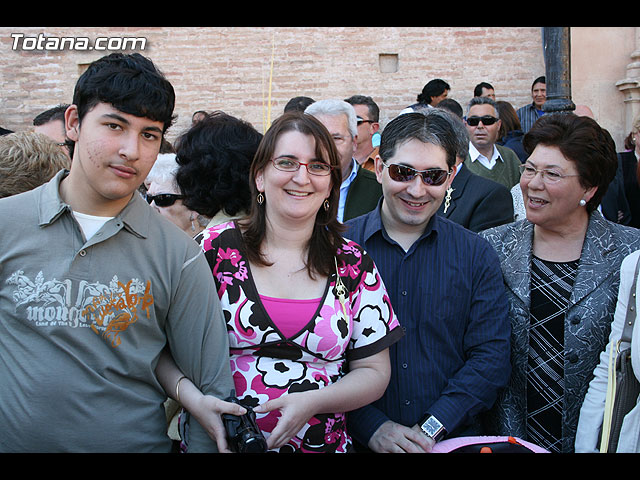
<point>556,44</point>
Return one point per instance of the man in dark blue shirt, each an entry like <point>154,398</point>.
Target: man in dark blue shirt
<point>446,287</point>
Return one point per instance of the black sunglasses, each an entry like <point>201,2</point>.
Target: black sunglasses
<point>163,199</point>
<point>432,176</point>
<point>485,119</point>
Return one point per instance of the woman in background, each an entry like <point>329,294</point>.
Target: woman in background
<point>163,194</point>
<point>511,133</point>
<point>214,157</point>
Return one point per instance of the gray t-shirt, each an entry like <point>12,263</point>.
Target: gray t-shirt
<point>82,324</point>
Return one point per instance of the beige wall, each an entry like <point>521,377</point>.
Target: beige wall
<point>231,68</point>
<point>599,59</point>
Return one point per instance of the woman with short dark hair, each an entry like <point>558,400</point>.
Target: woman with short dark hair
<point>214,157</point>
<point>561,269</point>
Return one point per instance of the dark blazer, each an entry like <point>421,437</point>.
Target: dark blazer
<point>629,164</point>
<point>614,204</point>
<point>477,203</point>
<point>363,194</point>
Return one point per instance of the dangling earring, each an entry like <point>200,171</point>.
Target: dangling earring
<point>193,227</point>
<point>583,202</point>
<point>260,198</point>
<point>326,205</point>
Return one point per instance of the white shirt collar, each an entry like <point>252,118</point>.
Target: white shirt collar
<point>474,154</point>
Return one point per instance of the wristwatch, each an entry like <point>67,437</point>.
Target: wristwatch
<point>432,427</point>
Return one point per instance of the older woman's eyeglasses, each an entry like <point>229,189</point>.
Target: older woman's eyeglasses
<point>286,164</point>
<point>432,176</point>
<point>547,175</point>
<point>163,199</point>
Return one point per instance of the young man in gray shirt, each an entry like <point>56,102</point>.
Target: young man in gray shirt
<point>94,285</point>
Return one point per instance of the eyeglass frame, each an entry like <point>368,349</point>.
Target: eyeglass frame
<point>299,163</point>
<point>543,173</point>
<point>163,196</point>
<point>418,172</point>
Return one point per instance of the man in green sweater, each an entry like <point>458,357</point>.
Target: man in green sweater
<point>485,157</point>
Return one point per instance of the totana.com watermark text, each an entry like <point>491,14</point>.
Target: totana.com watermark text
<point>47,43</point>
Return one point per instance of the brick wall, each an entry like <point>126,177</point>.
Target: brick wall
<point>229,68</point>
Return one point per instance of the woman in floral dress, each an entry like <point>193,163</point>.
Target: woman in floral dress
<point>308,316</point>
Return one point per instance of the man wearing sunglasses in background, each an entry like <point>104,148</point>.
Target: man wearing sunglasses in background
<point>446,287</point>
<point>472,201</point>
<point>368,114</point>
<point>486,158</point>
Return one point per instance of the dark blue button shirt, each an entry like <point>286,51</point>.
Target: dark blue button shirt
<point>448,293</point>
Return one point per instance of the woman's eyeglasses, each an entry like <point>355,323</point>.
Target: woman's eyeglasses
<point>474,121</point>
<point>432,176</point>
<point>163,199</point>
<point>286,164</point>
<point>548,176</point>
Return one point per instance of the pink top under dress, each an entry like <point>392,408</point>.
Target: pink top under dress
<point>272,355</point>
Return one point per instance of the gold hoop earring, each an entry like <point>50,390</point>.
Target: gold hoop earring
<point>326,205</point>
<point>260,198</point>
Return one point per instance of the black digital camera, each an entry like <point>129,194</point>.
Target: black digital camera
<point>243,432</point>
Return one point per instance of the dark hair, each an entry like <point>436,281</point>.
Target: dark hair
<point>52,114</point>
<point>298,104</point>
<point>508,117</point>
<point>326,236</point>
<point>374,110</point>
<point>214,157</point>
<point>433,88</point>
<point>433,128</point>
<point>582,141</point>
<point>477,91</point>
<point>541,79</point>
<point>452,106</point>
<point>483,101</point>
<point>456,123</point>
<point>130,83</point>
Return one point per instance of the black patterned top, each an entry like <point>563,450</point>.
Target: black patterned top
<point>551,285</point>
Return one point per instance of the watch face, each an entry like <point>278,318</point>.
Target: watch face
<point>431,426</point>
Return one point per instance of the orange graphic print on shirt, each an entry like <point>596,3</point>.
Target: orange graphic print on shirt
<point>109,310</point>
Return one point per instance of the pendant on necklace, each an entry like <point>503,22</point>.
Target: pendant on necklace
<point>447,200</point>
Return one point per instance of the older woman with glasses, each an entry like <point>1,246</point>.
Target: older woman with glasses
<point>561,269</point>
<point>164,195</point>
<point>308,316</point>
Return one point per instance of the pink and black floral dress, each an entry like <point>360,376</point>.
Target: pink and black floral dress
<point>266,362</point>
